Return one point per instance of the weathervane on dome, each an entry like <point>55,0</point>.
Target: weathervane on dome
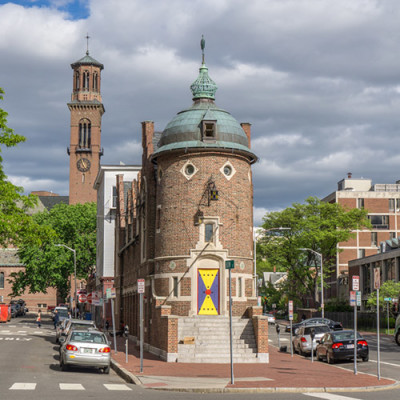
<point>87,43</point>
<point>202,45</point>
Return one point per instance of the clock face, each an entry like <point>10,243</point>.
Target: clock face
<point>83,164</point>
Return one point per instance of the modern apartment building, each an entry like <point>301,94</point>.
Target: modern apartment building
<point>382,200</point>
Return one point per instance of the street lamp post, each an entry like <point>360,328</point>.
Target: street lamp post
<point>322,280</point>
<point>281,228</point>
<point>74,251</point>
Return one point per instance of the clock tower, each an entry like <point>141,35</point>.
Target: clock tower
<point>86,109</point>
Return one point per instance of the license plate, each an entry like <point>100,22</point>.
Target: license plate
<point>350,346</point>
<point>88,351</point>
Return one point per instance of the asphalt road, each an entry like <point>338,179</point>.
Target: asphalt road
<point>389,354</point>
<point>29,369</point>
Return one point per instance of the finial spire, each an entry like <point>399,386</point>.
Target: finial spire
<point>202,45</point>
<point>87,43</point>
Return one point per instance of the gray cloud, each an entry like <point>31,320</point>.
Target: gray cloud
<point>318,80</point>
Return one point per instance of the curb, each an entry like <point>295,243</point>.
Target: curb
<point>131,378</point>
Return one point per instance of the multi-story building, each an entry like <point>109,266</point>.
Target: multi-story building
<point>382,201</point>
<point>189,211</point>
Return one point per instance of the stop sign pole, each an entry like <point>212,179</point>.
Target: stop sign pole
<point>377,285</point>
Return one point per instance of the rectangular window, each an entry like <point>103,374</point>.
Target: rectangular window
<point>208,232</point>
<point>379,221</point>
<point>158,218</point>
<point>374,239</point>
<point>361,253</point>
<point>208,130</point>
<point>1,280</point>
<point>391,205</point>
<point>360,203</point>
<point>397,204</point>
<point>114,197</point>
<point>176,286</point>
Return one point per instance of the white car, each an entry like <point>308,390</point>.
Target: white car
<point>271,318</point>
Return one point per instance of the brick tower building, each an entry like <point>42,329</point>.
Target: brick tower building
<point>189,211</point>
<point>85,144</point>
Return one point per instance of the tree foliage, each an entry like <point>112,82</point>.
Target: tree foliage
<point>315,225</point>
<point>388,289</point>
<point>47,265</point>
<point>14,220</point>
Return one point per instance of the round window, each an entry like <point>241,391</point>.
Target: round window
<point>227,170</point>
<point>189,169</point>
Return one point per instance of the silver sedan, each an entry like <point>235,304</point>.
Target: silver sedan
<point>85,348</point>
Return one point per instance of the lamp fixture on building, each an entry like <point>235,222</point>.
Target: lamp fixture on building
<point>198,217</point>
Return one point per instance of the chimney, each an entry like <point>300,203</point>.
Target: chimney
<point>147,138</point>
<point>246,126</point>
<point>349,175</point>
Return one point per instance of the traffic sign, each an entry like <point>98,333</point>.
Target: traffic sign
<point>377,278</point>
<point>140,285</point>
<point>290,310</point>
<point>353,298</point>
<point>229,264</point>
<point>356,282</point>
<point>89,297</point>
<point>387,299</point>
<point>358,298</point>
<point>82,298</point>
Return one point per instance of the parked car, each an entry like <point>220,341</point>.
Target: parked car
<point>60,328</point>
<point>74,324</point>
<point>14,310</point>
<point>302,341</point>
<point>271,318</point>
<point>86,348</point>
<point>62,313</point>
<point>397,330</point>
<point>19,305</point>
<point>333,325</point>
<point>339,345</point>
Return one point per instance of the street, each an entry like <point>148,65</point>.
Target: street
<point>389,353</point>
<point>30,368</point>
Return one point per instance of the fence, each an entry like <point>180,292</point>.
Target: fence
<point>365,320</point>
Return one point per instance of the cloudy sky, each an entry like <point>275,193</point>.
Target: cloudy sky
<point>318,79</point>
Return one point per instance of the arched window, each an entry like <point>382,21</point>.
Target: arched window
<point>77,80</point>
<point>86,80</point>
<point>1,280</point>
<point>84,134</point>
<point>95,81</point>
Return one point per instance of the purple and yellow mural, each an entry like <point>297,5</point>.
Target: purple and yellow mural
<point>208,292</point>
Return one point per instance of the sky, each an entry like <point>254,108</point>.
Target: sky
<point>319,81</point>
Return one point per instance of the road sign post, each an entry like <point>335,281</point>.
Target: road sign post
<point>357,295</point>
<point>229,265</point>
<point>141,288</point>
<point>290,305</point>
<point>377,285</point>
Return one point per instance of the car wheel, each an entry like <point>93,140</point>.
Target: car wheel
<point>106,370</point>
<point>301,352</point>
<point>365,358</point>
<point>317,356</point>
<point>329,359</point>
<point>398,337</point>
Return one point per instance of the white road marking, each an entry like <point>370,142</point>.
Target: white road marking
<point>22,331</point>
<point>71,386</point>
<point>386,363</point>
<point>23,386</point>
<point>112,386</point>
<point>330,396</point>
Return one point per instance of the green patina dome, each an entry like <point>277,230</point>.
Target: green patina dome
<point>185,131</point>
<point>87,60</point>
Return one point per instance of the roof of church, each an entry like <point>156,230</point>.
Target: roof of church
<point>87,60</point>
<point>184,131</point>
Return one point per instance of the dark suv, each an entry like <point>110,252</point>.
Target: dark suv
<point>397,330</point>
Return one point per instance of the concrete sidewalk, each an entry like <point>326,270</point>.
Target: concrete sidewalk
<point>284,373</point>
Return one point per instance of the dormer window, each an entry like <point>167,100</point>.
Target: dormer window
<point>209,130</point>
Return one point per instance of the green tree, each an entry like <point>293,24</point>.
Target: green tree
<point>47,265</point>
<point>315,225</point>
<point>14,220</point>
<point>388,289</point>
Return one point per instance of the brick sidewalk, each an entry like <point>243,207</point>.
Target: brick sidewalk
<point>283,371</point>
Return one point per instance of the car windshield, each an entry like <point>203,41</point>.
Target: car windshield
<point>62,313</point>
<point>78,325</point>
<point>345,335</point>
<point>88,337</point>
<point>317,329</point>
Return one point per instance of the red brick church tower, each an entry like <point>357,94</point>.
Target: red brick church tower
<point>189,212</point>
<point>85,144</point>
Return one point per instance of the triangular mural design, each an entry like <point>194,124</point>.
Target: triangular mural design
<point>208,292</point>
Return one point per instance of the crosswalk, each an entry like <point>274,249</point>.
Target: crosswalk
<point>68,386</point>
<point>329,396</point>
